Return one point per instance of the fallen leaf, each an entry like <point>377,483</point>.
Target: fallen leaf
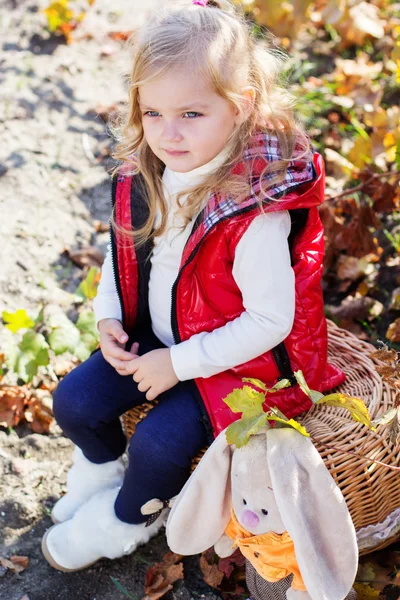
<point>15,563</point>
<point>13,400</point>
<point>395,301</point>
<point>161,576</point>
<point>90,256</point>
<point>227,565</point>
<point>393,332</point>
<point>351,267</point>
<point>101,226</point>
<point>119,36</point>
<point>211,572</point>
<point>39,416</point>
<point>356,308</point>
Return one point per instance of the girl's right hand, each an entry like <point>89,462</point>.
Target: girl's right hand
<point>112,343</point>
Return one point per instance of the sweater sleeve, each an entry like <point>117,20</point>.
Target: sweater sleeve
<point>106,304</point>
<point>262,270</point>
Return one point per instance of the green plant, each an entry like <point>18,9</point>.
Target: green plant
<point>29,344</point>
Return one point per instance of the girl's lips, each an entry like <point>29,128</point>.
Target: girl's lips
<point>175,152</point>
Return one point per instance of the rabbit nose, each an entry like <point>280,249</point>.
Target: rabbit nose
<point>250,519</point>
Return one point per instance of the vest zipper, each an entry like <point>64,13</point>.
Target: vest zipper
<point>280,353</point>
<point>174,318</point>
<point>113,251</point>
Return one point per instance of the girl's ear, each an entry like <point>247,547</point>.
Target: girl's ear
<point>249,95</point>
<point>201,512</point>
<point>314,513</point>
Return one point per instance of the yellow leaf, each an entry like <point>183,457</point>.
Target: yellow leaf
<point>238,433</point>
<point>361,152</point>
<point>18,320</point>
<point>290,423</point>
<point>312,394</point>
<point>366,592</point>
<point>355,406</point>
<point>245,400</point>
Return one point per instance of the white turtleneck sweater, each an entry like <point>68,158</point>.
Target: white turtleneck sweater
<point>261,269</point>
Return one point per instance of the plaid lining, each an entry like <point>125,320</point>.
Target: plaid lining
<point>263,149</point>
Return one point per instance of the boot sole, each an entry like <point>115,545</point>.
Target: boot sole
<point>51,560</point>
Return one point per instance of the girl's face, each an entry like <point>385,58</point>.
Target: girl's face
<point>185,122</point>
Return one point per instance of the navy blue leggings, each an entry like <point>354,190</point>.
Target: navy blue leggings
<point>87,406</point>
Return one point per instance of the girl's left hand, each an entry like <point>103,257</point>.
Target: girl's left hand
<point>153,372</point>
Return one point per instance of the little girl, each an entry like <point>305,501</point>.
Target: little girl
<point>212,275</point>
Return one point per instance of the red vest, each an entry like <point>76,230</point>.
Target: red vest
<point>205,295</point>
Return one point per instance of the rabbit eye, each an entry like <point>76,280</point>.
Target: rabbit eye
<point>244,501</point>
<point>264,512</point>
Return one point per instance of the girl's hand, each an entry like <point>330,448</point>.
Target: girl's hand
<point>153,372</point>
<point>112,342</point>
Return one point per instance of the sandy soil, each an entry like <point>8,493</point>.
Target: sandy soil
<point>54,184</point>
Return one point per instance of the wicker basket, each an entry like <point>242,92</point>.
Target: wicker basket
<point>372,492</point>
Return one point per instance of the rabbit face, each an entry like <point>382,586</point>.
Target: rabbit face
<point>253,498</point>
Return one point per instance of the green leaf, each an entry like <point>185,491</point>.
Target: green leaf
<point>82,351</point>
<point>64,339</point>
<point>87,323</point>
<point>40,318</point>
<point>88,287</point>
<point>312,394</point>
<point>121,588</point>
<point>17,320</point>
<point>238,433</point>
<point>26,367</point>
<point>245,400</point>
<point>11,350</point>
<point>36,344</point>
<point>283,383</point>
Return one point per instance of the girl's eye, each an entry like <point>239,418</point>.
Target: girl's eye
<point>264,512</point>
<point>244,501</point>
<point>192,114</point>
<point>151,113</point>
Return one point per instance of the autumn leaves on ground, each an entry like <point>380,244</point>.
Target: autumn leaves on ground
<point>345,73</point>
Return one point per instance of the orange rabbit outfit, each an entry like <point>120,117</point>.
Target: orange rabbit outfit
<point>271,554</point>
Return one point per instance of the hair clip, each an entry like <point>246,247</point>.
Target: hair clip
<point>200,2</point>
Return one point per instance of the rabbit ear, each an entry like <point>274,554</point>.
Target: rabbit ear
<point>201,512</point>
<point>314,513</point>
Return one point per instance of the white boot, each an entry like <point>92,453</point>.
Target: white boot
<point>95,532</point>
<point>85,479</point>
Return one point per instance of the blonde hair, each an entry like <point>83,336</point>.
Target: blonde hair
<point>217,42</point>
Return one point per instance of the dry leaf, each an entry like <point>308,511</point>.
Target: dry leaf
<point>211,572</point>
<point>91,256</point>
<point>101,226</point>
<point>356,308</point>
<point>119,36</point>
<point>161,576</point>
<point>13,400</point>
<point>351,267</point>
<point>393,333</point>
<point>39,416</point>
<point>227,565</point>
<point>15,563</point>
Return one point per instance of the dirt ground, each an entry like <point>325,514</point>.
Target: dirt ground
<point>54,183</point>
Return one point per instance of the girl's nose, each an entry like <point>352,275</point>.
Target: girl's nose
<point>171,133</point>
<point>250,519</point>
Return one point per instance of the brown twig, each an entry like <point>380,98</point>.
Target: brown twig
<point>360,187</point>
<point>357,454</point>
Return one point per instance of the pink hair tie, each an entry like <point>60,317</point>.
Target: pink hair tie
<point>200,2</point>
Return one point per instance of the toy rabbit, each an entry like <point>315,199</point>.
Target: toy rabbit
<point>274,499</point>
